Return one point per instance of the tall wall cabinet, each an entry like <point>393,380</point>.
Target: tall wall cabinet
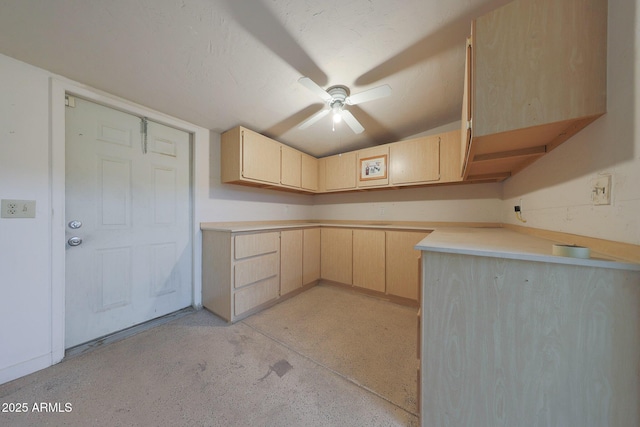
<point>535,76</point>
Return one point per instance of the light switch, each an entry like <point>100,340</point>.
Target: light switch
<point>18,209</point>
<point>601,190</point>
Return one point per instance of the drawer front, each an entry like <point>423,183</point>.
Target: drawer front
<point>255,269</point>
<point>247,245</point>
<point>252,296</point>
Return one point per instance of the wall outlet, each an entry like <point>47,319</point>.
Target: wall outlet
<point>18,208</point>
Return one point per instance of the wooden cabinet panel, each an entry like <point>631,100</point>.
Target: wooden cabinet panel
<point>239,271</point>
<point>291,163</point>
<point>340,171</point>
<point>535,334</point>
<point>217,259</point>
<point>247,245</point>
<point>528,92</point>
<point>450,157</point>
<point>255,269</point>
<point>415,160</point>
<point>403,263</point>
<point>309,180</point>
<point>369,259</point>
<point>336,254</point>
<point>311,255</point>
<point>371,163</point>
<point>467,103</point>
<point>260,157</point>
<point>252,296</point>
<point>291,252</point>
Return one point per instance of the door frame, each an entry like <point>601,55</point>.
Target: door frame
<point>199,161</point>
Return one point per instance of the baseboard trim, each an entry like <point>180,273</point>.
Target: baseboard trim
<point>25,368</point>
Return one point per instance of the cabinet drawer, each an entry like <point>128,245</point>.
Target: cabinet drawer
<point>247,245</point>
<point>255,269</point>
<point>252,296</point>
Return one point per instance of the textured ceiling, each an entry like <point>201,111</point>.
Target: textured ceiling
<point>222,63</point>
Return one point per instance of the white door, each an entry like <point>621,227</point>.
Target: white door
<point>131,201</point>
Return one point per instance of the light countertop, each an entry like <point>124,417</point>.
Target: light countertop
<point>503,243</point>
<point>479,239</point>
<point>249,227</point>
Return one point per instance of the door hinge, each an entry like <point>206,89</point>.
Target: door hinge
<point>469,123</point>
<point>69,101</point>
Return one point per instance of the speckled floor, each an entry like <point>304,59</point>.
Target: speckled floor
<point>327,357</point>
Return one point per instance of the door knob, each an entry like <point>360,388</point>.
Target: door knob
<point>75,224</point>
<point>74,241</point>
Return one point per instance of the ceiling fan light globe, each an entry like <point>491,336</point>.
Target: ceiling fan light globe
<point>337,117</point>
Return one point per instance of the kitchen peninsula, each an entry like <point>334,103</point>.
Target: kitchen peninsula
<point>513,335</point>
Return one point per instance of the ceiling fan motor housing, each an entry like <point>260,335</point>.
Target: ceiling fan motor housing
<point>338,95</point>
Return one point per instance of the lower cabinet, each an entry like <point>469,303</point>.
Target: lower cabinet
<point>243,272</point>
<point>310,255</point>
<point>240,272</point>
<point>403,263</point>
<point>383,261</point>
<point>290,260</point>
<point>369,259</point>
<point>336,255</point>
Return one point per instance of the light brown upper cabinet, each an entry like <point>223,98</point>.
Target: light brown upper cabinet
<point>536,75</point>
<point>450,160</point>
<point>373,166</point>
<point>246,156</point>
<point>339,171</point>
<point>309,180</point>
<point>415,161</point>
<point>291,167</point>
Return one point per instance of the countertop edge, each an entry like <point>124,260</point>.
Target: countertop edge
<point>437,242</point>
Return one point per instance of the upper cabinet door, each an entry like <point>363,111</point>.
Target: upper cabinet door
<point>340,171</point>
<point>415,160</point>
<point>291,172</point>
<point>309,172</point>
<point>467,103</point>
<point>538,76</point>
<point>260,157</point>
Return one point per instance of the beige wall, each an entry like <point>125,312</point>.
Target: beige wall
<point>556,190</point>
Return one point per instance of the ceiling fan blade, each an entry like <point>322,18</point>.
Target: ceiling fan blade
<point>352,122</point>
<point>311,120</point>
<point>369,95</point>
<point>313,87</point>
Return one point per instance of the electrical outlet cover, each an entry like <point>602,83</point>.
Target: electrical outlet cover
<point>18,208</point>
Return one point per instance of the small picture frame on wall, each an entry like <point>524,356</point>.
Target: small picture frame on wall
<point>373,168</point>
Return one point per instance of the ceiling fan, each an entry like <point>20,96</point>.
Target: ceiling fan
<point>336,97</point>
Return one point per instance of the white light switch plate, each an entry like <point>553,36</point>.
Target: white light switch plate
<point>601,190</point>
<point>18,209</point>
